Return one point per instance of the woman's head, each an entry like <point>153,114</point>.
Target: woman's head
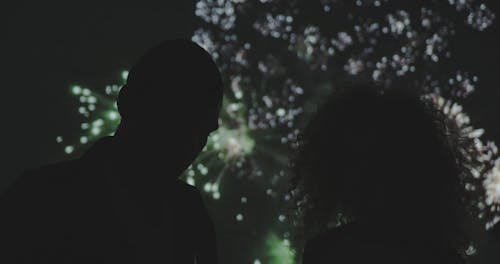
<point>377,157</point>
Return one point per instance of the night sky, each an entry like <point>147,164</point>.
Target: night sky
<point>48,47</point>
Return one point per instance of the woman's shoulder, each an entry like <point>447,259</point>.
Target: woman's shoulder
<point>334,235</point>
<point>330,242</point>
<point>352,243</point>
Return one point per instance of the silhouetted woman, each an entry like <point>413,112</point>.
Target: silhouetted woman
<point>376,181</point>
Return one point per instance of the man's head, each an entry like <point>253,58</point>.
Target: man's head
<point>171,102</point>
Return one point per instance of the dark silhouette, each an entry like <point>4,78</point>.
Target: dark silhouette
<point>122,202</point>
<point>376,180</point>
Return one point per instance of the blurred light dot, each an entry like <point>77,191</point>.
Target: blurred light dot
<point>76,90</point>
<point>86,92</point>
<point>239,217</point>
<point>238,94</point>
<point>69,149</point>
<point>207,187</point>
<point>92,99</point>
<point>84,125</point>
<point>281,112</point>
<point>95,131</point>
<point>113,115</point>
<point>124,74</point>
<point>98,123</point>
<point>84,140</point>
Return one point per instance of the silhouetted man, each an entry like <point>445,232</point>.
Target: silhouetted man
<point>122,201</point>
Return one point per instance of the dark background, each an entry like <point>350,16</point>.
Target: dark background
<point>47,47</point>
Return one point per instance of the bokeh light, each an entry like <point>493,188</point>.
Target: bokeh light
<point>278,63</point>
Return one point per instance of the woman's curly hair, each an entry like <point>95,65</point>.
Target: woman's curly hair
<point>363,144</point>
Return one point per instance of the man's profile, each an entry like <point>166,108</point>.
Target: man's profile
<point>122,201</point>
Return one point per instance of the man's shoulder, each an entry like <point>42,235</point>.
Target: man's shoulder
<point>190,206</point>
<point>45,178</point>
<point>183,186</point>
<point>186,190</point>
<point>55,173</point>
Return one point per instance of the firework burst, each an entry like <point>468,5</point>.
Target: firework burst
<point>278,63</point>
